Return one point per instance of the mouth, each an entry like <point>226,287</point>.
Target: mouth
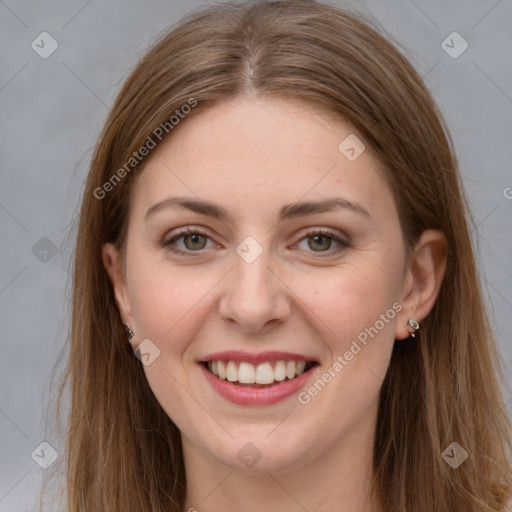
<point>265,374</point>
<point>262,379</point>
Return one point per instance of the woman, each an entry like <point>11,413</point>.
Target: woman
<point>274,224</point>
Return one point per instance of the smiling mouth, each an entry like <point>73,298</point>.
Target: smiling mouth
<point>262,375</point>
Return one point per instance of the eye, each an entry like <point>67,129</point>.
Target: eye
<point>321,240</point>
<point>194,240</point>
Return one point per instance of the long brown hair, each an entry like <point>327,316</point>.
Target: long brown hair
<point>123,452</point>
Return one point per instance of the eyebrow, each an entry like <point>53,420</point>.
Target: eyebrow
<point>287,212</point>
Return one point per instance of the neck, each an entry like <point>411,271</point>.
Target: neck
<point>337,478</point>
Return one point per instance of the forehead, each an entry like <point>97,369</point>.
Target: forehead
<point>248,153</point>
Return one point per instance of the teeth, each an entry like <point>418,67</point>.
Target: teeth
<point>220,368</point>
<point>246,373</point>
<point>263,373</point>
<point>232,372</point>
<point>290,369</point>
<point>280,371</point>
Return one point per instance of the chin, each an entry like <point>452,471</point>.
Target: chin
<point>260,453</point>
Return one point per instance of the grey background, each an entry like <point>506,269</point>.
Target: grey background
<point>52,111</point>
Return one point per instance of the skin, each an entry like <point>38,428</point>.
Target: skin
<point>253,156</point>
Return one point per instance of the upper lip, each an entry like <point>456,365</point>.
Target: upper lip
<point>261,357</point>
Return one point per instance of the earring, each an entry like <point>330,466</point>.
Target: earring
<point>415,325</point>
<point>129,331</point>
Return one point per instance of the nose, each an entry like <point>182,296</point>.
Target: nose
<point>255,299</point>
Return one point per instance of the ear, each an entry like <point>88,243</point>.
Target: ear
<point>423,278</point>
<point>112,261</point>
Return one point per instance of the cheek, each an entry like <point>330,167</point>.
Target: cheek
<point>357,310</point>
<point>352,298</point>
<point>164,299</point>
<point>169,308</point>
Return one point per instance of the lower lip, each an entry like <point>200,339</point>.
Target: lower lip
<point>256,396</point>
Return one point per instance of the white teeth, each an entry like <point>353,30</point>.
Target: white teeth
<point>232,372</point>
<point>263,373</point>
<point>221,369</point>
<point>290,369</point>
<point>280,371</point>
<point>246,373</point>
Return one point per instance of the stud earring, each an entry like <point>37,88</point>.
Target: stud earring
<point>415,325</point>
<point>129,331</point>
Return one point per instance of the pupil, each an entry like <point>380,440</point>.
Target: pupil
<point>195,239</point>
<point>319,238</point>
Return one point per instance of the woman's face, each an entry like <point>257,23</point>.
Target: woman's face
<point>294,257</point>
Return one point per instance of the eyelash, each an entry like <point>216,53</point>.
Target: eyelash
<point>343,244</point>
